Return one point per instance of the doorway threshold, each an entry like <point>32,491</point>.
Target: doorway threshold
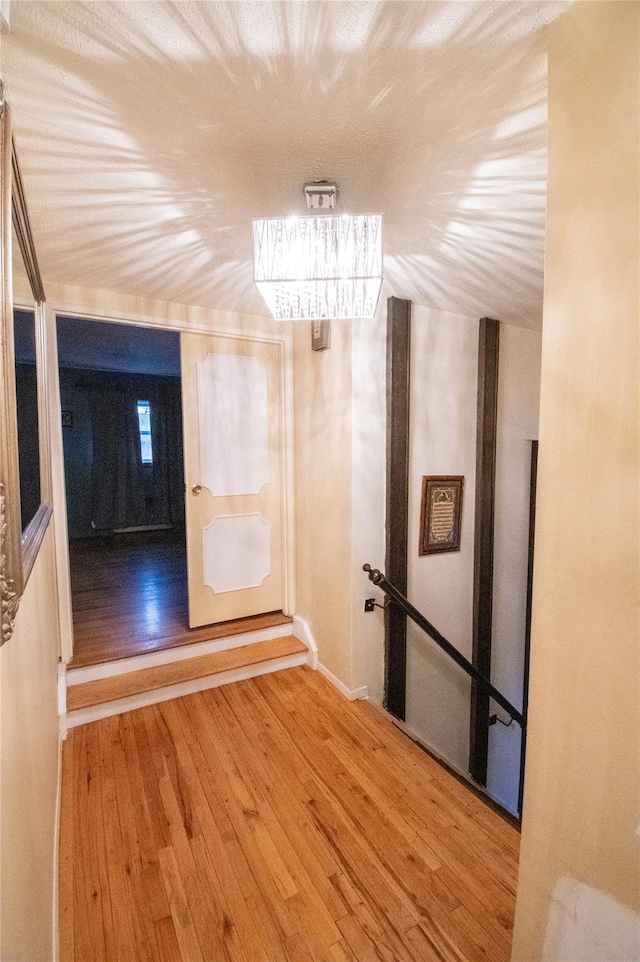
<point>99,649</point>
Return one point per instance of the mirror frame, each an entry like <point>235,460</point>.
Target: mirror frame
<point>18,548</point>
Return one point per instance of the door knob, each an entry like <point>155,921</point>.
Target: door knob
<point>197,488</point>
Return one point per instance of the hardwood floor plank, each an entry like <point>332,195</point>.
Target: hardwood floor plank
<point>311,929</point>
<point>168,947</point>
<point>429,942</point>
<point>360,865</point>
<point>182,921</point>
<point>149,786</point>
<point>202,915</point>
<point>401,815</point>
<point>281,750</point>
<point>273,821</point>
<point>87,861</point>
<point>170,757</point>
<point>490,917</point>
<point>241,803</point>
<point>225,928</point>
<point>144,928</point>
<point>486,946</point>
<point>454,937</point>
<point>152,878</point>
<point>385,933</point>
<point>276,815</point>
<point>297,950</point>
<point>362,947</point>
<point>342,953</point>
<point>472,872</point>
<point>263,900</point>
<point>119,880</point>
<point>211,816</point>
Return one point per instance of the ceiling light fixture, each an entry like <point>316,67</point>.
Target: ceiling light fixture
<point>311,268</point>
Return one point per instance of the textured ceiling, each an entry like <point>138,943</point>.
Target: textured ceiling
<point>150,134</point>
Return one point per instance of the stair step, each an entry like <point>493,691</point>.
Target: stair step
<point>104,690</point>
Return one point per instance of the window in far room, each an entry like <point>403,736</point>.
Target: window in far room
<point>144,422</point>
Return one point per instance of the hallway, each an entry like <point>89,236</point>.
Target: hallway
<point>273,820</point>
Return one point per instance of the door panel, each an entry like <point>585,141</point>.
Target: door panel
<point>232,436</point>
<point>233,413</point>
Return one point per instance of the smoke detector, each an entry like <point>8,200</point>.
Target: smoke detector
<point>321,195</point>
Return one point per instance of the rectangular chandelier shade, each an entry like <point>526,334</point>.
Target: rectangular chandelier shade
<point>312,268</point>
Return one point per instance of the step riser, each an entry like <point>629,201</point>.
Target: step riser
<point>156,695</point>
<point>168,656</point>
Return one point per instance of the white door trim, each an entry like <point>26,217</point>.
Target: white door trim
<point>57,307</point>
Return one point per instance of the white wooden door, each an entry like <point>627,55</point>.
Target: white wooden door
<point>231,402</point>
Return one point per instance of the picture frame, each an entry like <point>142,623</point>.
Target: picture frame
<point>20,286</point>
<point>440,514</point>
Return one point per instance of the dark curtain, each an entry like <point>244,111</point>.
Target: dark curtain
<point>175,452</point>
<point>118,484</point>
<point>168,471</point>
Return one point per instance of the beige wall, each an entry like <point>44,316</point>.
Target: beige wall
<point>29,743</point>
<point>322,419</point>
<point>133,309</point>
<point>368,450</point>
<point>579,888</point>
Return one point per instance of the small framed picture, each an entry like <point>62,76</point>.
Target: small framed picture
<point>441,514</point>
<point>67,419</point>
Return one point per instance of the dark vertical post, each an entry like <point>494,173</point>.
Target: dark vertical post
<point>527,635</point>
<point>488,349</point>
<point>397,507</point>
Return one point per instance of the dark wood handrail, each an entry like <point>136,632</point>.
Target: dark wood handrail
<point>419,619</point>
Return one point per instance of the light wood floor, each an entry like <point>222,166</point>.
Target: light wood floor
<point>273,820</point>
<point>129,595</point>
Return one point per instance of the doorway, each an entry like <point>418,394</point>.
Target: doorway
<point>121,412</point>
<point>132,589</point>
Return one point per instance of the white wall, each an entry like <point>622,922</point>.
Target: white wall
<point>443,440</point>
<point>29,740</point>
<point>517,426</point>
<point>444,352</point>
<point>443,417</point>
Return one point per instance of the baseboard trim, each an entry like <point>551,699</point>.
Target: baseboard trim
<point>353,694</point>
<point>141,527</point>
<point>167,656</point>
<point>84,715</point>
<point>302,631</point>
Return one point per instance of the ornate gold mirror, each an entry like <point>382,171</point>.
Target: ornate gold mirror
<point>25,475</point>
